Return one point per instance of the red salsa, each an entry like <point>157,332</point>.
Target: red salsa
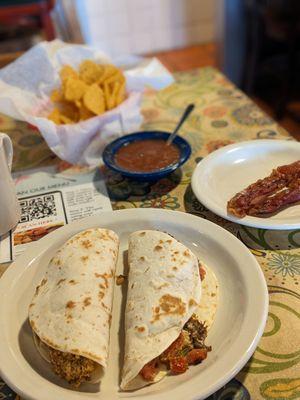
<point>147,155</point>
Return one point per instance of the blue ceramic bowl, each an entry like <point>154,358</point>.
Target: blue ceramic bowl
<point>111,149</point>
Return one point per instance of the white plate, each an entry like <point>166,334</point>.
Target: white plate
<point>239,323</point>
<point>227,171</point>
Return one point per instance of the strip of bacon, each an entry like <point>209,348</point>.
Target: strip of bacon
<point>270,194</point>
<point>271,204</point>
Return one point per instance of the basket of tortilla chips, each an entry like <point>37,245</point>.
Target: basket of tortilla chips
<point>78,98</point>
<point>90,91</point>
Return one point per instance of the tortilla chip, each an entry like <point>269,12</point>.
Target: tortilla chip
<point>69,110</point>
<point>107,72</point>
<point>116,77</point>
<point>90,72</point>
<point>114,93</point>
<point>78,103</point>
<point>56,95</point>
<point>109,101</point>
<point>93,99</point>
<point>55,116</point>
<point>67,72</point>
<point>120,96</point>
<point>65,120</point>
<point>74,89</point>
<point>84,113</point>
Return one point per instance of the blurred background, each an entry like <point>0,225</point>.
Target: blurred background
<point>255,43</point>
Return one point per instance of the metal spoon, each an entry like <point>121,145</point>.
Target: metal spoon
<point>186,113</point>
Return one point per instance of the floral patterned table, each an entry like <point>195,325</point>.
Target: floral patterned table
<point>222,115</point>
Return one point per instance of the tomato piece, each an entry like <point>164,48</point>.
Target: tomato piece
<point>150,370</point>
<point>173,349</point>
<point>196,355</point>
<point>178,365</point>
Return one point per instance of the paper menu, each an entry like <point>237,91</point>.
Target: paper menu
<point>49,201</point>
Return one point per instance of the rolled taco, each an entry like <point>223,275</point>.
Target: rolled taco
<point>70,311</point>
<point>171,303</point>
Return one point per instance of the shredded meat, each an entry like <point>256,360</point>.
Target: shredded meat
<point>270,194</point>
<point>197,332</point>
<point>74,369</point>
<point>188,349</point>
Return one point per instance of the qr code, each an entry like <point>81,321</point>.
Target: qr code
<point>37,208</point>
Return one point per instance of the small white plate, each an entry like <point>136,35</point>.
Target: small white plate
<point>227,171</point>
<point>239,323</point>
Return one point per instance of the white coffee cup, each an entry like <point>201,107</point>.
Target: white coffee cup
<point>9,205</point>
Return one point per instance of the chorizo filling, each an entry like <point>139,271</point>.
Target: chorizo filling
<point>71,367</point>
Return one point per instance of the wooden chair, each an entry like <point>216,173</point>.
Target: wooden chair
<point>273,35</point>
<point>15,11</point>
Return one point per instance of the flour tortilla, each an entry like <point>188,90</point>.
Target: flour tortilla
<point>206,311</point>
<point>163,275</point>
<point>71,308</point>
